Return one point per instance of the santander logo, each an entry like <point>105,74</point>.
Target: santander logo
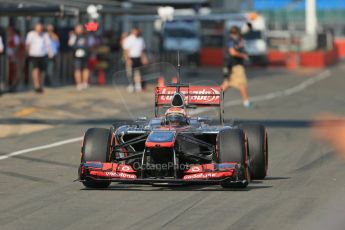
<point>196,94</point>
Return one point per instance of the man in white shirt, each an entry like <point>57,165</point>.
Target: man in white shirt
<point>134,47</point>
<point>38,47</point>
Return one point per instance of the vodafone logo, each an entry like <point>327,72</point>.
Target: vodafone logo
<point>200,176</point>
<point>120,175</point>
<point>112,174</point>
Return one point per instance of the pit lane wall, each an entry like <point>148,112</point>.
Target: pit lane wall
<point>308,59</point>
<point>291,52</point>
<point>295,49</point>
<point>291,60</point>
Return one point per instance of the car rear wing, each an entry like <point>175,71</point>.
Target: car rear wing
<point>195,96</point>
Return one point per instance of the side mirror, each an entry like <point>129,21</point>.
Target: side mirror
<point>204,119</point>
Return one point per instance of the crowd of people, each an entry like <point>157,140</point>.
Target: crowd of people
<point>38,52</point>
<point>39,49</point>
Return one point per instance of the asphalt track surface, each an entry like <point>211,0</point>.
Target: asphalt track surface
<point>303,189</point>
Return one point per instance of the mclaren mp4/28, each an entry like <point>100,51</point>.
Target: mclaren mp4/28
<point>176,148</point>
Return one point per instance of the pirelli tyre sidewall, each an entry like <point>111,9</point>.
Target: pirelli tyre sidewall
<point>96,147</point>
<point>258,149</point>
<point>232,148</point>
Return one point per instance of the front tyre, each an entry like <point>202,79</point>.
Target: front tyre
<point>232,148</point>
<point>258,149</point>
<point>96,147</point>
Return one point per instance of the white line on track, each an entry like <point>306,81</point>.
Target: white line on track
<point>52,145</point>
<point>270,96</point>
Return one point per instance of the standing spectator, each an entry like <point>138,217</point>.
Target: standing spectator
<point>123,38</point>
<point>93,43</point>
<point>81,48</point>
<point>38,46</point>
<point>236,57</point>
<point>134,47</point>
<point>54,46</point>
<point>13,43</point>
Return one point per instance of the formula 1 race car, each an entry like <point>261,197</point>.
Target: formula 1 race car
<point>175,148</point>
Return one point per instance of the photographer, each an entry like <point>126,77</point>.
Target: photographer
<point>236,57</point>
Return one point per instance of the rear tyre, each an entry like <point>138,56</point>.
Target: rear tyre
<point>258,149</point>
<point>232,148</point>
<point>96,147</point>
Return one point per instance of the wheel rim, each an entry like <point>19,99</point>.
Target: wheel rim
<point>266,153</point>
<point>247,165</point>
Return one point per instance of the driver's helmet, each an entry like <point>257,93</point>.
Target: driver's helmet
<point>176,116</point>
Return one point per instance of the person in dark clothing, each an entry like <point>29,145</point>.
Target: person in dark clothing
<point>236,57</point>
<point>52,61</point>
<point>81,51</point>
